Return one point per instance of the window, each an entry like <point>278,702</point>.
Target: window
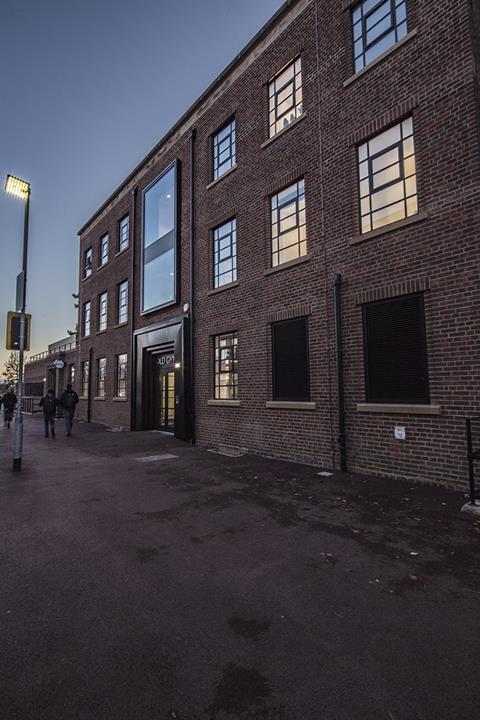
<point>387,177</point>
<point>121,375</point>
<point>159,242</point>
<point>101,375</point>
<point>123,233</point>
<point>104,249</point>
<point>291,374</point>
<point>122,302</point>
<point>289,240</point>
<point>87,262</point>
<point>224,149</point>
<point>72,375</point>
<point>226,370</point>
<point>285,97</point>
<point>377,25</point>
<point>86,319</point>
<point>85,377</point>
<point>102,311</point>
<point>395,351</point>
<point>225,253</point>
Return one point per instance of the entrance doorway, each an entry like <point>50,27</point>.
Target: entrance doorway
<point>165,393</point>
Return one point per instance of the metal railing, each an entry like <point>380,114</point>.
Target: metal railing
<point>55,351</point>
<point>473,453</point>
<point>30,404</point>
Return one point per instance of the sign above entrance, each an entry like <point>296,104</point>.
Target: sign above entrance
<point>166,360</point>
<point>59,364</point>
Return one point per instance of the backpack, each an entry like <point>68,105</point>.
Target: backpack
<point>49,405</point>
<point>69,400</point>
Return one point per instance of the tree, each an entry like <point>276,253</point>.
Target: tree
<point>75,305</point>
<point>10,368</point>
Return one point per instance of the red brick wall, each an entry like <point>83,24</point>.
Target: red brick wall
<point>431,76</point>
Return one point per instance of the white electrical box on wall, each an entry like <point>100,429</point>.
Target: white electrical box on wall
<point>400,432</point>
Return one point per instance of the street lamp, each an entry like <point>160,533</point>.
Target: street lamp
<point>21,189</point>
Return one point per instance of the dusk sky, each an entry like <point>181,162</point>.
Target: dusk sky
<point>87,88</point>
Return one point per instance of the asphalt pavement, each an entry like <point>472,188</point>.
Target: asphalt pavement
<point>143,579</point>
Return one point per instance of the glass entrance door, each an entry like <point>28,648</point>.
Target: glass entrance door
<point>165,397</point>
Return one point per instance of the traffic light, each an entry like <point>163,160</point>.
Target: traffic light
<point>13,331</point>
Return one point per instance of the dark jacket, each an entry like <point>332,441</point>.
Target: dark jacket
<point>68,399</point>
<point>10,400</point>
<point>49,403</point>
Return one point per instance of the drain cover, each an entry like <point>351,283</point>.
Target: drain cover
<point>154,458</point>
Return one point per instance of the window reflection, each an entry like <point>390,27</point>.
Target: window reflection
<point>159,242</point>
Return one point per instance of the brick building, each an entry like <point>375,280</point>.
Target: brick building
<point>41,373</point>
<point>293,269</point>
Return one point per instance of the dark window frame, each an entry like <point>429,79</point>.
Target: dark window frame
<point>369,397</point>
<point>216,253</point>
<point>393,27</point>
<point>87,262</point>
<point>121,222</point>
<point>401,178</point>
<point>85,377</point>
<point>101,384</point>
<point>119,303</point>
<point>121,382</point>
<point>104,242</point>
<point>275,395</point>
<point>297,86</point>
<point>103,316</point>
<point>275,210</point>
<point>232,156</point>
<point>234,372</point>
<point>84,319</point>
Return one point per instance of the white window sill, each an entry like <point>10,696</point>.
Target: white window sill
<point>119,399</point>
<point>224,403</point>
<point>227,286</point>
<point>399,409</point>
<point>100,398</point>
<point>224,175</point>
<point>289,405</point>
<point>398,225</point>
<point>281,132</point>
<point>290,263</point>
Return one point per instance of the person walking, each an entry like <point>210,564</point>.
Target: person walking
<point>68,402</point>
<point>49,404</point>
<point>9,403</point>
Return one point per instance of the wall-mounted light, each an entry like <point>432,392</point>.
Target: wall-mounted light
<point>178,365</point>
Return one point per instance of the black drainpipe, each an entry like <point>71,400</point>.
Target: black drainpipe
<point>89,397</point>
<point>191,137</point>
<point>131,295</point>
<point>342,441</point>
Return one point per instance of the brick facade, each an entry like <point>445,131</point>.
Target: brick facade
<point>430,75</point>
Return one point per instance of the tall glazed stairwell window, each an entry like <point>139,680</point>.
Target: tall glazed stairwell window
<point>387,177</point>
<point>377,25</point>
<point>159,247</point>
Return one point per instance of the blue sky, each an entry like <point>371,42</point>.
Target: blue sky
<point>87,88</point>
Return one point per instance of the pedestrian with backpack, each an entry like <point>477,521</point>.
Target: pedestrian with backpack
<point>49,404</point>
<point>68,402</point>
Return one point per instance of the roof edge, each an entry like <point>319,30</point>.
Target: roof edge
<point>233,63</point>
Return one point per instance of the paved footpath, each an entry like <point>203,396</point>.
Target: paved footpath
<point>201,587</point>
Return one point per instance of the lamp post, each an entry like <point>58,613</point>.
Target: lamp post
<point>21,189</point>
